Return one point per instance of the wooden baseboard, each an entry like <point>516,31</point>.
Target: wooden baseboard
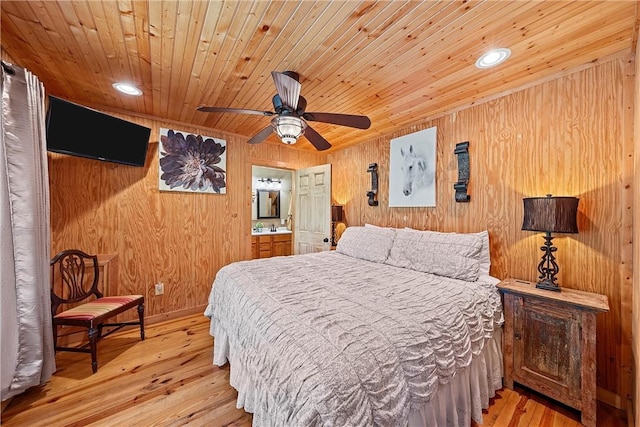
<point>175,314</point>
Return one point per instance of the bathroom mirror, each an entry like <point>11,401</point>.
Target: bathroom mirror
<point>268,202</point>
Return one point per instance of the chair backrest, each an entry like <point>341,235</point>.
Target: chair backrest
<point>74,278</point>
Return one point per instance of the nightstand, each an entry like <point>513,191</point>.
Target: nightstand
<point>550,343</point>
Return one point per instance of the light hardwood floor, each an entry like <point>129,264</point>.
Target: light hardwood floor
<point>169,380</point>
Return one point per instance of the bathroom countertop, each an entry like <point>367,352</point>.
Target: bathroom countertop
<point>266,232</point>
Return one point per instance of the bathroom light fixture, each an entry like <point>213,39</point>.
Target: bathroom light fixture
<point>127,89</point>
<point>288,128</point>
<point>270,183</point>
<point>493,58</point>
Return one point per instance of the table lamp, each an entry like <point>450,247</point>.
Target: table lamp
<point>336,216</point>
<point>550,215</point>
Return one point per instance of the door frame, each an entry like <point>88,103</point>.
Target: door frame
<point>248,175</point>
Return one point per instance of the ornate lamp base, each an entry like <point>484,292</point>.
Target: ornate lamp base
<point>548,268</point>
<point>333,234</point>
<point>548,286</point>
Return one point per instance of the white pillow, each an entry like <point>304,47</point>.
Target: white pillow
<point>485,254</point>
<point>368,243</point>
<point>445,254</point>
<point>366,224</point>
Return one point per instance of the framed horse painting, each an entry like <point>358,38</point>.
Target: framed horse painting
<point>412,169</point>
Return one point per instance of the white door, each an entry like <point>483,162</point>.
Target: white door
<point>313,209</point>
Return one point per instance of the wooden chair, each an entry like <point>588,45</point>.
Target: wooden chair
<point>74,280</point>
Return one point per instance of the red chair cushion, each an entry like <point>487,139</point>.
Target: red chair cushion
<point>96,308</point>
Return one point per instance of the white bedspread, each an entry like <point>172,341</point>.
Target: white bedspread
<point>327,339</point>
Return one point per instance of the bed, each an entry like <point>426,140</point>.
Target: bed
<point>396,327</point>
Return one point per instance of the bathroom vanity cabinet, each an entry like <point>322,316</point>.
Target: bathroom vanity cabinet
<point>268,245</point>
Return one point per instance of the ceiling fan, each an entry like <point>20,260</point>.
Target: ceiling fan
<point>291,119</point>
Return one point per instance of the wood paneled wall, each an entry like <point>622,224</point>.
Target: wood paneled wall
<point>178,238</point>
<point>569,136</point>
<point>635,411</point>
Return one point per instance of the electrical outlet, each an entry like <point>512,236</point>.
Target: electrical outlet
<point>159,288</point>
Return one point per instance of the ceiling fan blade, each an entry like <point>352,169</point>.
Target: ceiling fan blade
<point>234,110</point>
<point>316,139</point>
<point>360,122</point>
<point>288,88</point>
<point>261,136</point>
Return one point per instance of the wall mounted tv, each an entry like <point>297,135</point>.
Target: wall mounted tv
<point>81,131</point>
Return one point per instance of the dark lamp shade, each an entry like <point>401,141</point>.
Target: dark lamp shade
<point>552,214</point>
<point>336,213</point>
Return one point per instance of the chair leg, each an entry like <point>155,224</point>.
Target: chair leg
<point>55,337</point>
<point>93,342</point>
<point>141,317</point>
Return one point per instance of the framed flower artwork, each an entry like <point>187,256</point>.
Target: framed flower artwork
<point>192,163</point>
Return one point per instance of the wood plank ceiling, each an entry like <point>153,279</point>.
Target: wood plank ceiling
<point>398,62</point>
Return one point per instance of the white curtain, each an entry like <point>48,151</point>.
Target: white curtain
<point>26,344</point>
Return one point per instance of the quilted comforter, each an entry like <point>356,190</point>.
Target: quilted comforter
<point>328,339</point>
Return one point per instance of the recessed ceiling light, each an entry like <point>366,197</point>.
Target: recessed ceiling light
<point>493,58</point>
<point>127,89</point>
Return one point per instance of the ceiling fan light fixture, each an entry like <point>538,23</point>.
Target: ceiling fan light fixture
<point>288,128</point>
<point>291,118</point>
<point>493,58</point>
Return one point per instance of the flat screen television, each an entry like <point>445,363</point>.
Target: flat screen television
<point>81,131</point>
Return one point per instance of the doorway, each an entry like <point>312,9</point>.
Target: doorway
<point>263,169</point>
<point>271,197</point>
